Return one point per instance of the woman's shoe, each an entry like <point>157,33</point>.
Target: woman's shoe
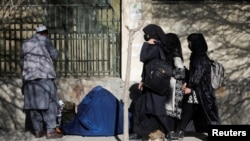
<point>174,135</point>
<point>180,135</point>
<point>53,135</point>
<point>169,135</point>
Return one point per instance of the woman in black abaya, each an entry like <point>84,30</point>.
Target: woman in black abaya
<point>151,113</point>
<point>200,103</point>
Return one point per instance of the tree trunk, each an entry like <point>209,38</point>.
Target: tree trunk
<point>127,80</point>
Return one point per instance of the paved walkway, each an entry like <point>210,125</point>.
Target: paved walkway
<point>120,138</point>
<point>26,136</point>
<point>188,137</point>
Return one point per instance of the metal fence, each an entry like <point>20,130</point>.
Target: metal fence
<point>87,37</point>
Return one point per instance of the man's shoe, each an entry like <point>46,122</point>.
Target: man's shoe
<point>53,135</point>
<point>39,134</point>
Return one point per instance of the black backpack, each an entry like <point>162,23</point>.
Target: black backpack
<point>159,78</point>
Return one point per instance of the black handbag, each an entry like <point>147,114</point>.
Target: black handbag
<point>159,78</point>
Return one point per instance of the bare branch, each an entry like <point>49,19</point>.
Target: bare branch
<point>127,78</point>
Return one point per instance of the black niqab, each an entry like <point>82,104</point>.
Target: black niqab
<point>198,44</point>
<point>154,31</point>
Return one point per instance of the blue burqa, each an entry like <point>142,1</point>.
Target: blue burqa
<point>99,114</point>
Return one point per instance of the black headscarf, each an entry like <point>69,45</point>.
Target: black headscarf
<point>154,31</point>
<point>175,44</point>
<point>198,43</point>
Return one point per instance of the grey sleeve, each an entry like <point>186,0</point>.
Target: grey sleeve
<point>54,54</point>
<point>179,70</point>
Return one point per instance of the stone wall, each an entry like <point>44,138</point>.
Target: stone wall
<point>11,98</point>
<point>226,29</point>
<point>233,98</point>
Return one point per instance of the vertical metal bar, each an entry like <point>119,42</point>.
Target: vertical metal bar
<point>98,63</point>
<point>8,49</point>
<point>4,53</point>
<point>88,44</point>
<point>105,47</point>
<point>108,44</point>
<point>73,47</point>
<point>70,42</point>
<point>15,48</point>
<point>9,56</point>
<point>88,51</point>
<point>78,26</point>
<point>66,39</point>
<point>87,54</point>
<point>21,37</point>
<point>72,56</point>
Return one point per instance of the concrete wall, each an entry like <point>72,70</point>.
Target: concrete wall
<point>227,31</point>
<point>225,27</point>
<point>70,89</point>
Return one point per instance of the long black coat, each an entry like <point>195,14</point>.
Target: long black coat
<point>155,104</point>
<point>200,82</point>
<point>148,104</point>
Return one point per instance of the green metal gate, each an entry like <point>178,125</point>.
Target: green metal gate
<point>87,36</point>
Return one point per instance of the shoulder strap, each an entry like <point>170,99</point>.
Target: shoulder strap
<point>162,56</point>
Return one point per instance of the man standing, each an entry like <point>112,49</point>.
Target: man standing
<point>39,89</point>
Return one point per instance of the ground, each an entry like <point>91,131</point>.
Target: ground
<point>27,136</point>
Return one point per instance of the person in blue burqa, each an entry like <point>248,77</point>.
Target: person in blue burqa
<point>100,113</point>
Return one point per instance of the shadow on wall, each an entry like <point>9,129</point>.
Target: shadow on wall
<point>233,100</point>
<point>11,105</point>
<point>11,99</point>
<point>224,25</point>
<point>227,31</point>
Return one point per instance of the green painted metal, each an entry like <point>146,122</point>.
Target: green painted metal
<point>87,36</point>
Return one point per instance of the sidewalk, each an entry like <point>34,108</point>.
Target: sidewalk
<point>197,137</point>
<point>26,136</point>
<point>188,137</point>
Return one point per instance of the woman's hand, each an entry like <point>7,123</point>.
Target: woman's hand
<point>184,86</point>
<point>140,86</point>
<point>151,41</point>
<point>186,89</point>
